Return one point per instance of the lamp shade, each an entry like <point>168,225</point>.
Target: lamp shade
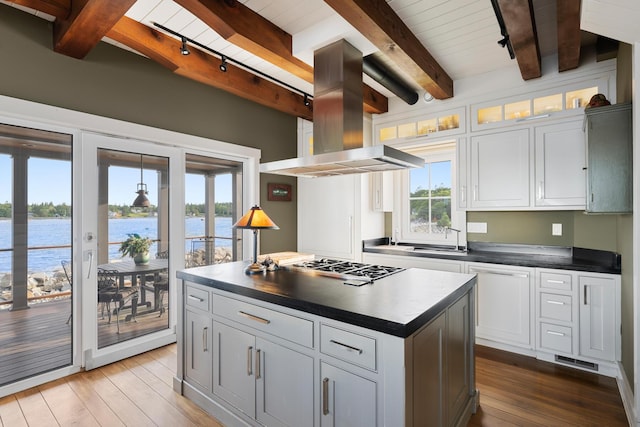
<point>255,219</point>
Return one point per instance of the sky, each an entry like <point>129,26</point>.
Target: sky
<point>49,182</point>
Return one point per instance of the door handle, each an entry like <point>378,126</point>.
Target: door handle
<point>249,360</point>
<point>258,373</point>
<point>205,343</point>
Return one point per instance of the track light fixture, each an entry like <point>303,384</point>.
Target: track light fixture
<point>306,100</point>
<point>184,49</point>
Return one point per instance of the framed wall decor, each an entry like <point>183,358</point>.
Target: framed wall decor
<point>278,192</point>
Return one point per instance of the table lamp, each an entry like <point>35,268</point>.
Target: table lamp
<point>255,219</point>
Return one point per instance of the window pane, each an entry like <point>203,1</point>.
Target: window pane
<point>441,177</point>
<point>430,198</point>
<point>419,180</point>
<point>420,212</point>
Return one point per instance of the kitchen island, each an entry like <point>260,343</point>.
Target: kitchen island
<point>300,348</point>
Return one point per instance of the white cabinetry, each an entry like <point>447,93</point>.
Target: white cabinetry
<point>507,171</point>
<point>599,317</point>
<point>500,169</point>
<point>578,319</point>
<point>560,165</point>
<point>504,304</point>
<point>347,399</point>
<point>198,333</point>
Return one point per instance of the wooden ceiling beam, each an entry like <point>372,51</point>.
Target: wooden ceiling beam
<point>378,22</point>
<point>204,68</point>
<point>59,9</point>
<point>568,19</point>
<point>86,25</point>
<point>521,27</point>
<point>248,30</point>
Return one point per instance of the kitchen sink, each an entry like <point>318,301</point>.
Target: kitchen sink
<point>449,250</point>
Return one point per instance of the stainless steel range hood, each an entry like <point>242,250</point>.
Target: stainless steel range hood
<point>338,123</point>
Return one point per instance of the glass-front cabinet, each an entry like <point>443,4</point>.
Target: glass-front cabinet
<point>436,125</point>
<point>564,100</point>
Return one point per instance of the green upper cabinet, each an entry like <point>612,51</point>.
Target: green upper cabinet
<point>609,136</point>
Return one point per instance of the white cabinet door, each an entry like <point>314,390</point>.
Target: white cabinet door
<point>284,386</point>
<point>500,169</point>
<point>348,400</point>
<point>504,297</point>
<point>234,367</point>
<point>326,209</point>
<point>198,348</point>
<point>598,317</point>
<point>560,175</point>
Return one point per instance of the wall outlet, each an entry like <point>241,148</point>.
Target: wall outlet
<point>477,227</point>
<point>556,229</point>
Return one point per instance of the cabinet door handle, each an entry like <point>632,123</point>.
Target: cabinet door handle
<point>463,194</point>
<point>556,282</point>
<point>346,346</point>
<point>204,339</point>
<point>258,373</point>
<point>475,193</point>
<point>585,295</point>
<point>540,190</point>
<point>256,318</point>
<point>549,301</point>
<point>325,396</point>
<point>249,360</point>
<point>195,298</point>
<point>560,334</point>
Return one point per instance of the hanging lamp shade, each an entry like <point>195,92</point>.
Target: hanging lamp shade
<point>141,201</point>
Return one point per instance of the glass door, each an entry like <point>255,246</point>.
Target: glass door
<point>128,256</point>
<point>36,280</point>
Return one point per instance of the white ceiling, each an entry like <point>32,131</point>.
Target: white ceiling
<point>461,35</point>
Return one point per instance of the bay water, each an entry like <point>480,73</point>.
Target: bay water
<point>57,232</point>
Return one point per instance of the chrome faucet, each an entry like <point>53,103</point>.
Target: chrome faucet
<point>446,233</point>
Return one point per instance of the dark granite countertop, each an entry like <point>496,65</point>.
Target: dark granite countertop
<point>397,305</point>
<point>557,257</point>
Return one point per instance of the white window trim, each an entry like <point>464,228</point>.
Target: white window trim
<point>401,233</point>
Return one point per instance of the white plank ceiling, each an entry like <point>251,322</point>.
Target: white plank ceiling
<point>461,35</point>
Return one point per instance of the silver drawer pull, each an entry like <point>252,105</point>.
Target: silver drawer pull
<point>195,298</point>
<point>499,273</point>
<point>555,302</point>
<point>556,282</point>
<point>249,360</point>
<point>325,396</point>
<point>256,318</point>
<point>560,334</point>
<point>347,347</point>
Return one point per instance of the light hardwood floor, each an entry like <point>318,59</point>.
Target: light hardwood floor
<point>514,391</point>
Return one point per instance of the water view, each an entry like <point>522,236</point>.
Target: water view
<point>54,232</point>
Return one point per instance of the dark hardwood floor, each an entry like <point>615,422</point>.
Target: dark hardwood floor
<point>517,390</point>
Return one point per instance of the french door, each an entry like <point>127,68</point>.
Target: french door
<point>130,189</point>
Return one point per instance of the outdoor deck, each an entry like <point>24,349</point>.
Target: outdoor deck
<point>38,339</point>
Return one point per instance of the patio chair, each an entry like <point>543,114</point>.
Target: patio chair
<point>66,267</point>
<point>161,284</point>
<point>111,291</point>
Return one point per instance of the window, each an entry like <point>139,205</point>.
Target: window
<point>428,203</point>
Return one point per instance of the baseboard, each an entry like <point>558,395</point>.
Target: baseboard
<point>628,399</point>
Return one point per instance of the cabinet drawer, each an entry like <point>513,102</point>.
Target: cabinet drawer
<point>348,346</point>
<point>556,338</point>
<point>557,307</point>
<point>557,281</point>
<point>197,298</point>
<point>291,328</point>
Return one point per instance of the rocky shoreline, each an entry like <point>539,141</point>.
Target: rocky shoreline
<point>51,284</point>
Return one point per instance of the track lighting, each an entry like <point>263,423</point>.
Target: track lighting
<point>223,64</point>
<point>184,49</point>
<point>306,100</point>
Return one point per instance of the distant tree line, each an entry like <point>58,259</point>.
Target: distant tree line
<point>49,210</point>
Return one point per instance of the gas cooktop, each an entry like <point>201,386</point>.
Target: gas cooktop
<point>354,273</point>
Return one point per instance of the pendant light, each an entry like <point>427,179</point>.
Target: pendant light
<point>141,201</point>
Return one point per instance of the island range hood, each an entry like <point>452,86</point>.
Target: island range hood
<point>338,123</point>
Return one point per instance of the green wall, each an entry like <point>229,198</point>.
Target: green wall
<point>116,83</point>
